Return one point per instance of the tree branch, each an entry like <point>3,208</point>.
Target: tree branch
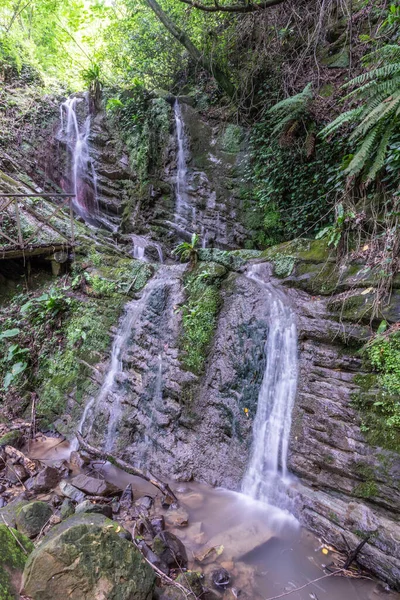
<point>128,468</point>
<point>233,8</point>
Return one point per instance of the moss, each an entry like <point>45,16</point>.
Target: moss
<point>283,265</point>
<point>231,139</point>
<point>12,559</point>
<point>12,438</point>
<point>375,406</point>
<point>199,314</point>
<point>366,489</point>
<point>332,516</point>
<point>230,260</point>
<point>316,251</point>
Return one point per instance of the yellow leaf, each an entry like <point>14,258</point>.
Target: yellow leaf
<point>367,291</point>
<point>365,247</point>
<point>324,550</point>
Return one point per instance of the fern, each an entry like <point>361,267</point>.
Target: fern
<point>375,117</point>
<point>292,109</point>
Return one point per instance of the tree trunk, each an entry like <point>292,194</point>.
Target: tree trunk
<point>221,78</point>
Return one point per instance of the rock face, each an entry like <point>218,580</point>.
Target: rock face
<point>84,558</point>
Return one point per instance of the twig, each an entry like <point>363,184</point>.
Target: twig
<point>305,585</point>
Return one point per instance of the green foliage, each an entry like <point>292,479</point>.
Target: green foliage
<point>199,316</point>
<point>375,115</point>
<point>143,122</point>
<point>292,110</point>
<point>188,250</point>
<point>294,192</point>
<point>379,399</point>
<point>334,232</point>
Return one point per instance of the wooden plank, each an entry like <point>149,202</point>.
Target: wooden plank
<point>38,195</point>
<point>8,253</point>
<point>46,222</point>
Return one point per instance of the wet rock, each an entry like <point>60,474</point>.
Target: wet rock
<point>84,558</point>
<point>152,557</point>
<point>15,473</point>
<point>47,479</point>
<point>177,518</point>
<point>237,541</point>
<point>170,550</point>
<point>221,578</point>
<point>77,460</point>
<point>12,560</point>
<point>144,502</point>
<point>191,581</point>
<point>67,508</point>
<point>115,506</point>
<point>71,492</point>
<point>158,524</point>
<point>127,496</point>
<point>88,507</point>
<point>32,517</point>
<point>93,486</point>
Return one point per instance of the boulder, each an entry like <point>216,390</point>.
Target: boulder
<point>67,508</point>
<point>46,480</point>
<point>32,517</point>
<point>15,473</point>
<point>71,491</point>
<point>10,511</point>
<point>93,486</point>
<point>84,558</point>
<point>12,560</point>
<point>170,550</point>
<point>88,507</point>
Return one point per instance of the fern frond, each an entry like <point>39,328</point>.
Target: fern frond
<point>380,154</point>
<point>361,156</point>
<point>379,113</point>
<point>388,52</point>
<point>346,117</point>
<point>298,101</point>
<point>380,72</point>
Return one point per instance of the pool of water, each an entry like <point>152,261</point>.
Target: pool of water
<point>264,549</point>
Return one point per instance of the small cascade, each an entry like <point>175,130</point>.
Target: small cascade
<point>138,252</point>
<point>83,175</point>
<point>185,214</point>
<point>109,397</point>
<point>267,472</point>
<point>139,249</point>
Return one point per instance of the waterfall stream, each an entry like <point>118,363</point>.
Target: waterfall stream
<point>267,469</point>
<point>186,215</point>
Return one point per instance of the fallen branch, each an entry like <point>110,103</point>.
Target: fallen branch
<point>10,529</point>
<point>128,468</point>
<point>353,555</point>
<point>305,585</point>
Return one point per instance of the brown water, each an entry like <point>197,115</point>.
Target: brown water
<point>263,548</point>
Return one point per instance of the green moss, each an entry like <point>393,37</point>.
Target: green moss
<point>231,139</point>
<point>230,260</point>
<point>283,265</point>
<point>12,438</point>
<point>332,516</point>
<point>379,412</point>
<point>12,559</point>
<point>199,314</point>
<point>366,489</point>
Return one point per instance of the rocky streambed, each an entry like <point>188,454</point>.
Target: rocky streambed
<point>82,529</point>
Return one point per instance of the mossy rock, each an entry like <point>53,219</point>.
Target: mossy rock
<point>12,561</point>
<point>9,513</point>
<point>12,438</point>
<point>85,558</point>
<point>32,517</point>
<point>222,257</point>
<point>312,251</point>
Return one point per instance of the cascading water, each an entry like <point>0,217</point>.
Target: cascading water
<point>109,395</point>
<point>83,175</point>
<point>186,215</point>
<point>267,469</point>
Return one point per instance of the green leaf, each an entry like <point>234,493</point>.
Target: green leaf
<point>9,333</point>
<point>382,326</point>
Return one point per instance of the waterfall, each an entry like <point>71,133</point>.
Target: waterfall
<point>83,176</point>
<point>109,396</point>
<point>138,252</point>
<point>267,469</point>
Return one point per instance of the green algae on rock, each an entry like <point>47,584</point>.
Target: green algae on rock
<point>15,548</point>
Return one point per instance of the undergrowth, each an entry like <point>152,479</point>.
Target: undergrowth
<point>199,314</point>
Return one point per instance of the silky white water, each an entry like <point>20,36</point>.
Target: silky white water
<point>267,469</point>
<point>83,175</point>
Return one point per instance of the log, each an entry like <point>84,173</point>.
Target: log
<point>128,468</point>
<point>352,557</point>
